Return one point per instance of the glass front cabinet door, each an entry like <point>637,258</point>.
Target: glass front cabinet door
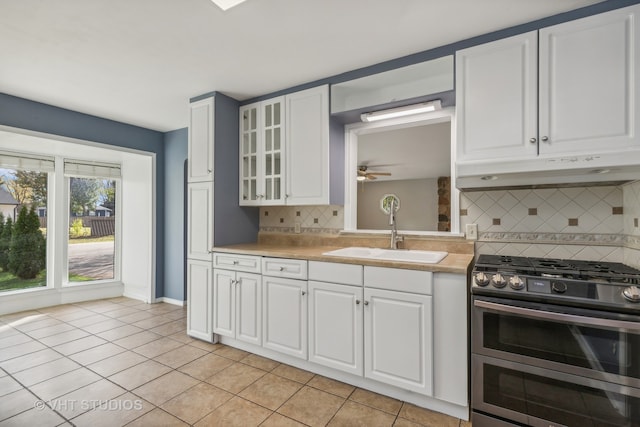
<point>249,161</point>
<point>262,153</point>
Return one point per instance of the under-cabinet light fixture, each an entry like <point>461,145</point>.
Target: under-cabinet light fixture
<point>226,4</point>
<point>407,110</point>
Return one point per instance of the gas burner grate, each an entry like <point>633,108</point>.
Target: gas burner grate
<point>555,267</point>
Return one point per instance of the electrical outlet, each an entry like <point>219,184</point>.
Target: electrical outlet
<point>296,227</point>
<point>472,231</point>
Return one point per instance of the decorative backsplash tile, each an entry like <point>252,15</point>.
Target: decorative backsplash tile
<point>594,223</point>
<point>631,208</point>
<point>311,219</point>
<point>549,210</point>
<point>543,250</point>
<point>598,223</point>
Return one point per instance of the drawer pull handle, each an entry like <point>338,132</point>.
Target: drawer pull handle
<point>282,268</point>
<point>235,262</point>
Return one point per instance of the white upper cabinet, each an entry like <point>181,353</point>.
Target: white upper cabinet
<point>586,101</point>
<point>200,166</point>
<point>308,147</point>
<point>589,90</point>
<point>261,153</point>
<point>284,150</point>
<point>497,99</point>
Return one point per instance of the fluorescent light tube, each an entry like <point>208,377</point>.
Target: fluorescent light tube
<point>407,110</point>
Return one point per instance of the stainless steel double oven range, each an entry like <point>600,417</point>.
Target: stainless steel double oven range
<point>554,343</point>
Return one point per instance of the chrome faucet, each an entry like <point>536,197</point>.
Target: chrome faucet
<point>395,238</point>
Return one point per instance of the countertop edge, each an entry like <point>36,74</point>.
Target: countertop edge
<point>452,263</point>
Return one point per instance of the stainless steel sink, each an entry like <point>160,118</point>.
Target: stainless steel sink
<point>426,257</point>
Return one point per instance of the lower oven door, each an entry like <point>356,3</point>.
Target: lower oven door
<point>529,395</point>
<point>599,345</point>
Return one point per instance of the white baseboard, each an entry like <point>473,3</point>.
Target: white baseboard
<point>35,298</point>
<point>171,301</point>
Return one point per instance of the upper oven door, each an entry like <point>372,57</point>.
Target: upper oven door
<point>590,343</point>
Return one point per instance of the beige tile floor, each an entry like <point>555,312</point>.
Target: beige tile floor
<point>122,362</point>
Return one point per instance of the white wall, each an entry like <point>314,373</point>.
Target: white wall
<point>418,204</point>
<point>138,250</point>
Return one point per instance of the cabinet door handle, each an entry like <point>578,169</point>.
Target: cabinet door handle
<point>304,293</point>
<point>544,139</point>
<point>366,302</point>
<point>209,171</point>
<point>533,140</point>
<point>233,282</point>
<point>357,302</point>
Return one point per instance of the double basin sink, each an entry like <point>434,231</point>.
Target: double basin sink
<point>403,255</point>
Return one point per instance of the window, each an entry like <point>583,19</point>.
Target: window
<point>92,220</point>
<point>24,183</point>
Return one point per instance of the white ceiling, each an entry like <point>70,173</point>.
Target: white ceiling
<point>139,61</point>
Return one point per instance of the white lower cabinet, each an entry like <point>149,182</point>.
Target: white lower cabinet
<point>284,315</point>
<point>372,331</point>
<point>200,297</point>
<point>394,331</point>
<point>335,326</point>
<point>398,339</point>
<point>237,305</point>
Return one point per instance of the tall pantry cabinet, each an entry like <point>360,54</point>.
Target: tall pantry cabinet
<point>213,214</point>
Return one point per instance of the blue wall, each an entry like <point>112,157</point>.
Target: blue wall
<point>175,151</point>
<point>24,114</point>
<point>233,223</point>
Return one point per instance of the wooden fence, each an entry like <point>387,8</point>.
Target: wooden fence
<point>99,225</point>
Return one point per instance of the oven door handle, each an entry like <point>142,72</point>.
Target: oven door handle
<point>563,317</point>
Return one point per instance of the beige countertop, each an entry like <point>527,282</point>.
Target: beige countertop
<point>452,263</point>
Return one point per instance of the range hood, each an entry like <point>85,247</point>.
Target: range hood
<point>570,170</point>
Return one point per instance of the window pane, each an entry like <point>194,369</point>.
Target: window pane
<point>92,208</point>
<point>23,229</point>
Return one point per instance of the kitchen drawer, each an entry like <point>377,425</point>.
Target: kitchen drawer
<point>284,267</point>
<point>333,272</point>
<point>395,279</point>
<point>248,263</point>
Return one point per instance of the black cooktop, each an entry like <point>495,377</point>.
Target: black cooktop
<point>554,267</point>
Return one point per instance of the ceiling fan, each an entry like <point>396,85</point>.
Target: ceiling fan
<point>365,175</point>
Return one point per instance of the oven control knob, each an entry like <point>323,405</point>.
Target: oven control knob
<point>499,281</point>
<point>632,293</point>
<point>481,279</point>
<point>559,287</point>
<point>516,283</point>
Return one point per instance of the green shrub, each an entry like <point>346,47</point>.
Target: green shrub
<point>27,254</point>
<point>77,230</point>
<point>5,244</point>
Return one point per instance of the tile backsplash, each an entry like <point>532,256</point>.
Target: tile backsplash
<point>311,219</point>
<point>595,222</point>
